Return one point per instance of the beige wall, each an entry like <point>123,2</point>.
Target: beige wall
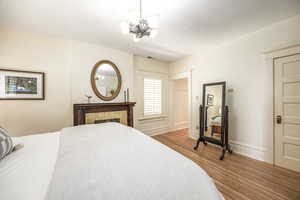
<point>23,51</point>
<point>84,57</point>
<point>242,64</point>
<point>67,65</point>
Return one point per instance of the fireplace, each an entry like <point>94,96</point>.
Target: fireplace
<point>107,120</point>
<point>110,116</point>
<point>95,113</point>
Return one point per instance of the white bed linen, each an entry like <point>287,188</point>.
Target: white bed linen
<point>216,121</point>
<point>26,173</point>
<point>111,161</point>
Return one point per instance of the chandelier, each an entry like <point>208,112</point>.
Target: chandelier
<point>139,26</point>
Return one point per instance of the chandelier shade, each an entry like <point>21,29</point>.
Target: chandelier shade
<point>139,26</point>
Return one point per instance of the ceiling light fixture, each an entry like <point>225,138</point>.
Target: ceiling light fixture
<point>139,26</point>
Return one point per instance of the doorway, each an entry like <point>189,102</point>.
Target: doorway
<point>287,112</point>
<point>180,104</point>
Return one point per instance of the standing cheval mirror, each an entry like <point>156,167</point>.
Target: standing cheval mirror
<point>214,117</point>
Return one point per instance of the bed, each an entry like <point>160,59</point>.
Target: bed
<point>103,161</point>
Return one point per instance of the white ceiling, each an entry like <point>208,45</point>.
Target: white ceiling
<point>186,26</point>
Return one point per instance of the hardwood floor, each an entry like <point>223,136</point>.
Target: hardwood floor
<point>237,176</point>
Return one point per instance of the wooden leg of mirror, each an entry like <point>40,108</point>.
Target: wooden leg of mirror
<point>198,142</point>
<point>224,149</point>
<point>229,149</point>
<point>223,153</point>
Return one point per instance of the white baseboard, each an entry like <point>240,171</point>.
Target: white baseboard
<point>237,147</point>
<point>155,131</point>
<point>179,125</point>
<point>176,129</point>
<point>248,150</point>
<point>194,137</point>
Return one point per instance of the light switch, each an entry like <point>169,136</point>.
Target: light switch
<point>230,90</point>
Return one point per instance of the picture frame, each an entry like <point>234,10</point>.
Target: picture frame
<point>21,85</point>
<point>210,100</point>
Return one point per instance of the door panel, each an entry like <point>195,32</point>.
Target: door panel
<point>287,105</point>
<point>292,151</point>
<point>292,89</point>
<point>291,109</point>
<point>291,68</point>
<point>291,130</point>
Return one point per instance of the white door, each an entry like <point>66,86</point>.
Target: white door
<point>287,110</point>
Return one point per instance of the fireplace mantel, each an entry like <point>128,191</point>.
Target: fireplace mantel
<point>82,111</point>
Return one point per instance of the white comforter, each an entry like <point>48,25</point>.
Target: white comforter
<point>26,173</point>
<point>132,167</point>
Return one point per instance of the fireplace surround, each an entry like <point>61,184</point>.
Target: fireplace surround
<point>94,113</point>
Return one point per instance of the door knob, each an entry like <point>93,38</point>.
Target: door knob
<point>278,119</point>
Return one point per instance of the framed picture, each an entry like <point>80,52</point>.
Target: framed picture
<point>21,85</point>
<point>210,99</point>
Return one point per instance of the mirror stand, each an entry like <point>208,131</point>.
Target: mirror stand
<point>224,136</point>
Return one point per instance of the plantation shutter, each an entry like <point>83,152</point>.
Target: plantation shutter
<point>152,96</point>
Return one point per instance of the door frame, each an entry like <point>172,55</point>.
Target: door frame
<point>270,57</point>
<point>187,75</point>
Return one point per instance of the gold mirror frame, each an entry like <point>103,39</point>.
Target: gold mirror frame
<point>96,66</point>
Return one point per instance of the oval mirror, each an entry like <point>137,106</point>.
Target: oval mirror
<point>106,80</point>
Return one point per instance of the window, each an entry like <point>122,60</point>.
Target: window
<point>152,96</point>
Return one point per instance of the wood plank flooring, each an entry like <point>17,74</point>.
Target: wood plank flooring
<point>237,177</point>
